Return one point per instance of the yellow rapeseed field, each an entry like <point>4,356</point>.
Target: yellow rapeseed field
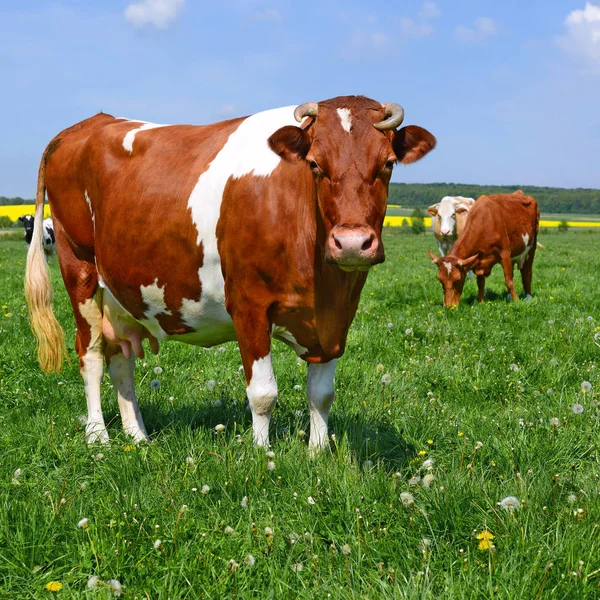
<point>15,211</point>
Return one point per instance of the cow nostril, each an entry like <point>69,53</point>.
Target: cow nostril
<point>338,245</point>
<point>367,243</point>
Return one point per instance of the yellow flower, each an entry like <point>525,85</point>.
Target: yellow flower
<point>460,434</point>
<point>129,448</point>
<point>422,452</point>
<point>485,538</point>
<point>430,442</point>
<point>54,586</point>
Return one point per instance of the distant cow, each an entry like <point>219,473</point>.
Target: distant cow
<point>449,216</point>
<point>501,229</point>
<point>48,240</point>
<point>253,228</point>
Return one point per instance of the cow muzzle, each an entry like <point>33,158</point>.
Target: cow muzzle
<point>354,248</point>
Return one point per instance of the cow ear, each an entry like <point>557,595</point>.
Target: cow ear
<point>460,209</point>
<point>433,209</point>
<point>412,143</point>
<point>467,263</point>
<point>21,219</point>
<point>434,259</point>
<point>291,143</point>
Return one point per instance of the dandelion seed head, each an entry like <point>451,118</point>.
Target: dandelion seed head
<point>205,489</point>
<point>428,480</point>
<point>189,461</point>
<point>509,503</point>
<point>268,532</point>
<point>368,464</point>
<point>219,428</point>
<point>379,368</point>
<point>407,498</point>
<point>311,500</point>
<point>155,384</point>
<point>414,480</point>
<point>409,331</point>
<point>270,466</point>
<point>554,421</point>
<point>158,370</point>
<point>270,454</point>
<point>157,544</point>
<point>586,386</point>
<point>514,367</point>
<point>577,409</point>
<point>244,502</point>
<point>386,379</point>
<point>428,464</point>
<point>115,587</point>
<point>297,567</point>
<point>17,473</point>
<point>83,523</point>
<point>346,549</point>
<point>297,387</point>
<point>93,581</point>
<point>249,560</point>
<point>211,384</point>
<point>228,530</point>
<point>232,565</point>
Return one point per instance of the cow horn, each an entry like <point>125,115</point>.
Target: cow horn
<point>394,115</point>
<point>308,109</point>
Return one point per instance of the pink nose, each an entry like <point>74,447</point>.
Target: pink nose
<point>445,232</point>
<point>354,247</point>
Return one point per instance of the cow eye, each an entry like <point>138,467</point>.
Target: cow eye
<point>314,166</point>
<point>389,165</point>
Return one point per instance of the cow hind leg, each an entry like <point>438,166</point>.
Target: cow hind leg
<point>320,392</point>
<point>121,370</point>
<point>507,267</point>
<point>527,273</point>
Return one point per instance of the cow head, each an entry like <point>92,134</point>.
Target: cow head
<point>452,272</point>
<point>445,214</point>
<point>350,144</point>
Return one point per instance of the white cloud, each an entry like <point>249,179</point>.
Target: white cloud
<point>583,34</point>
<point>482,29</point>
<point>153,12</point>
<point>430,10</point>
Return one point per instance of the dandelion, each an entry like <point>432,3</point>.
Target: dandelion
<point>54,586</point>
<point>297,387</point>
<point>597,337</point>
<point>390,325</point>
<point>427,464</point>
<point>550,321</point>
<point>270,466</point>
<point>297,567</point>
<point>228,530</point>
<point>219,428</point>
<point>270,454</point>
<point>244,502</point>
<point>311,500</point>
<point>346,549</point>
<point>115,587</point>
<point>430,442</point>
<point>17,474</point>
<point>268,532</point>
<point>422,452</point>
<point>249,560</point>
<point>485,538</point>
<point>157,544</point>
<point>158,370</point>
<point>205,489</point>
<point>233,566</point>
<point>590,319</point>
<point>217,403</point>
<point>210,385</point>
<point>386,379</point>
<point>301,434</point>
<point>407,498</point>
<point>155,385</point>
<point>577,409</point>
<point>428,479</point>
<point>586,386</point>
<point>83,524</point>
<point>222,349</point>
<point>93,582</point>
<point>478,445</point>
<point>514,367</point>
<point>509,503</point>
<point>460,434</point>
<point>194,489</point>
<point>379,368</point>
<point>554,421</point>
<point>572,498</point>
<point>129,448</point>
<point>409,331</point>
<point>414,480</point>
<point>189,461</point>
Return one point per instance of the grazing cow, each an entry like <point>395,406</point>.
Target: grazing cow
<point>247,229</point>
<point>501,228</point>
<point>48,240</point>
<point>449,216</point>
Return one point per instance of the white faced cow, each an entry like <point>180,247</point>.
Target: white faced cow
<point>448,220</point>
<point>48,240</point>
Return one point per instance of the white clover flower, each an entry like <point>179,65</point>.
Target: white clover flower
<point>509,503</point>
<point>386,379</point>
<point>407,498</point>
<point>270,454</point>
<point>205,489</point>
<point>297,567</point>
<point>414,480</point>
<point>572,498</point>
<point>92,582</point>
<point>17,473</point>
<point>514,367</point>
<point>346,549</point>
<point>228,530</point>
<point>270,466</point>
<point>210,385</point>
<point>311,500</point>
<point>244,502</point>
<point>83,523</point>
<point>189,461</point>
<point>158,370</point>
<point>157,544</point>
<point>115,587</point>
<point>577,409</point>
<point>268,532</point>
<point>219,428</point>
<point>586,386</point>
<point>155,385</point>
<point>554,421</point>
<point>427,464</point>
<point>249,560</point>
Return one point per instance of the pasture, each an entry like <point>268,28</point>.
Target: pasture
<point>485,392</point>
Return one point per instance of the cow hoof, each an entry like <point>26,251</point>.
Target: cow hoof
<point>509,297</point>
<point>96,434</point>
<point>528,297</point>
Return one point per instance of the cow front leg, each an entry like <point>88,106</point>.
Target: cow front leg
<point>480,287</point>
<point>121,371</point>
<point>507,267</point>
<point>254,339</point>
<point>320,392</point>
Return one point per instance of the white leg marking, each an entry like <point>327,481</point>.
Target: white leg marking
<point>346,118</point>
<point>121,373</point>
<point>92,370</point>
<point>130,135</point>
<point>262,395</point>
<point>320,392</point>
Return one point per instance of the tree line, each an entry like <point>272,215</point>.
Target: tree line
<point>550,200</point>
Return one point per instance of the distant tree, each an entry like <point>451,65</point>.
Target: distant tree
<point>5,222</point>
<point>418,221</point>
<point>405,227</point>
<point>563,226</point>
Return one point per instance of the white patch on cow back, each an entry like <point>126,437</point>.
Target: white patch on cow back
<point>283,335</point>
<point>448,266</point>
<point>245,152</point>
<point>346,118</point>
<point>130,135</point>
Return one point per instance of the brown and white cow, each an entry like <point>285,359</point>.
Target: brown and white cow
<point>501,228</point>
<point>448,218</point>
<point>242,230</point>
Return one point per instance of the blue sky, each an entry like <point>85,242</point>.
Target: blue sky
<point>510,89</point>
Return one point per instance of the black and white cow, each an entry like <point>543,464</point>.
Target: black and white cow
<point>48,235</point>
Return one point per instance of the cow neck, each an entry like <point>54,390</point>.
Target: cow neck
<point>466,245</point>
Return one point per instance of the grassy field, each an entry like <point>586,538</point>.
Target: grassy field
<point>485,392</point>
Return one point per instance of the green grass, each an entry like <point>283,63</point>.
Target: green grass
<point>452,385</point>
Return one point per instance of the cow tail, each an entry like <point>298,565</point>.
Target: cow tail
<point>38,288</point>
